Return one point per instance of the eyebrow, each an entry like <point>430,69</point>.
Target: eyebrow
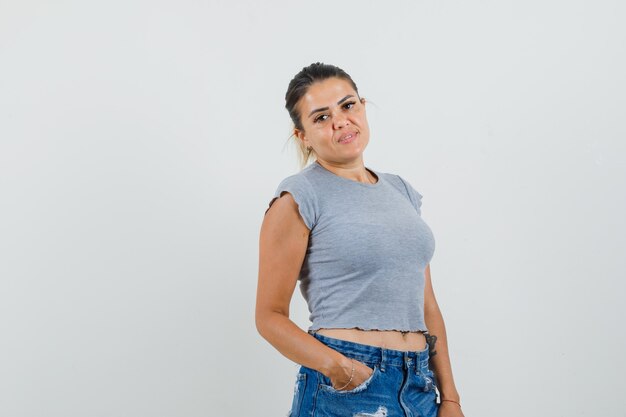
<point>326,108</point>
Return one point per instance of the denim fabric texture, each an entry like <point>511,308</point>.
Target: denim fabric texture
<point>402,385</point>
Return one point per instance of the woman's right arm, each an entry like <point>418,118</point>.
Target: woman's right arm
<point>282,247</point>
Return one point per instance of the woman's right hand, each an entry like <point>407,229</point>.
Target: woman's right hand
<point>340,375</point>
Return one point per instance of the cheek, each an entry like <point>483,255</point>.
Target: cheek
<point>362,120</point>
<point>321,134</point>
<point>360,114</point>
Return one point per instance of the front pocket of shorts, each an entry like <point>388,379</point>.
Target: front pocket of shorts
<point>326,385</point>
<point>298,394</point>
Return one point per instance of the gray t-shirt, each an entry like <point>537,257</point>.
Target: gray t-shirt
<point>367,251</point>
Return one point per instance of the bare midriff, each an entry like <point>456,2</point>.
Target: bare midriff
<point>388,339</point>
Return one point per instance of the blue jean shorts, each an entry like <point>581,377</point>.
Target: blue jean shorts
<point>402,385</point>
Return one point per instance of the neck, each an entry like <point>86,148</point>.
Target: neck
<point>357,172</point>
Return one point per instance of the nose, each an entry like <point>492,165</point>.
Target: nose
<point>340,121</point>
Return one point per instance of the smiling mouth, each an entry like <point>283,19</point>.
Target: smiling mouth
<point>348,138</point>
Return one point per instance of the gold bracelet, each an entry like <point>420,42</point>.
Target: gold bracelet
<point>452,401</point>
<point>351,376</point>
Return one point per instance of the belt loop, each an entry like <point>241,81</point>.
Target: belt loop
<point>382,359</point>
<point>420,360</point>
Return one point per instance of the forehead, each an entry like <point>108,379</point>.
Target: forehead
<point>325,93</point>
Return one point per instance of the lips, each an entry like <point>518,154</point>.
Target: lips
<point>348,136</point>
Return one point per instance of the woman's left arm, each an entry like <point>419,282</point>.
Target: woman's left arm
<point>441,361</point>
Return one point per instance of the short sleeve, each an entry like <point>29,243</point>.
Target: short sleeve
<point>414,196</point>
<point>302,192</point>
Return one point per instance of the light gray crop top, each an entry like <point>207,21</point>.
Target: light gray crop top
<point>367,251</point>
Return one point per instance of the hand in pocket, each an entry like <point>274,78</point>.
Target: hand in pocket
<point>342,375</point>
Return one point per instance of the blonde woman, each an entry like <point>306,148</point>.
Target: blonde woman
<point>355,239</point>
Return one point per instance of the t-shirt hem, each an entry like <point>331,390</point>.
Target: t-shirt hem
<point>314,329</point>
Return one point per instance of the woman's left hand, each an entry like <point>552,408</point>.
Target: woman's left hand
<point>449,409</point>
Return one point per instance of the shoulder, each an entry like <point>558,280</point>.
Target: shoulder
<point>301,179</point>
<point>405,187</point>
<point>299,184</point>
<point>393,179</point>
<point>398,182</point>
<point>302,192</point>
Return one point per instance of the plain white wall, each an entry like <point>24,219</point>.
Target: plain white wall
<point>141,142</point>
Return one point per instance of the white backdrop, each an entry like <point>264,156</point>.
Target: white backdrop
<point>141,142</point>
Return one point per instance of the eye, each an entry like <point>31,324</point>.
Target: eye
<point>319,118</point>
<point>350,104</point>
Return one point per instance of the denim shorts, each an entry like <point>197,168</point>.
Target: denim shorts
<point>402,385</point>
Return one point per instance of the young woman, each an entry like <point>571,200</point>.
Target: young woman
<point>355,239</point>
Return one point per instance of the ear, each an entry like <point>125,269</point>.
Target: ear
<point>363,100</point>
<point>300,135</point>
